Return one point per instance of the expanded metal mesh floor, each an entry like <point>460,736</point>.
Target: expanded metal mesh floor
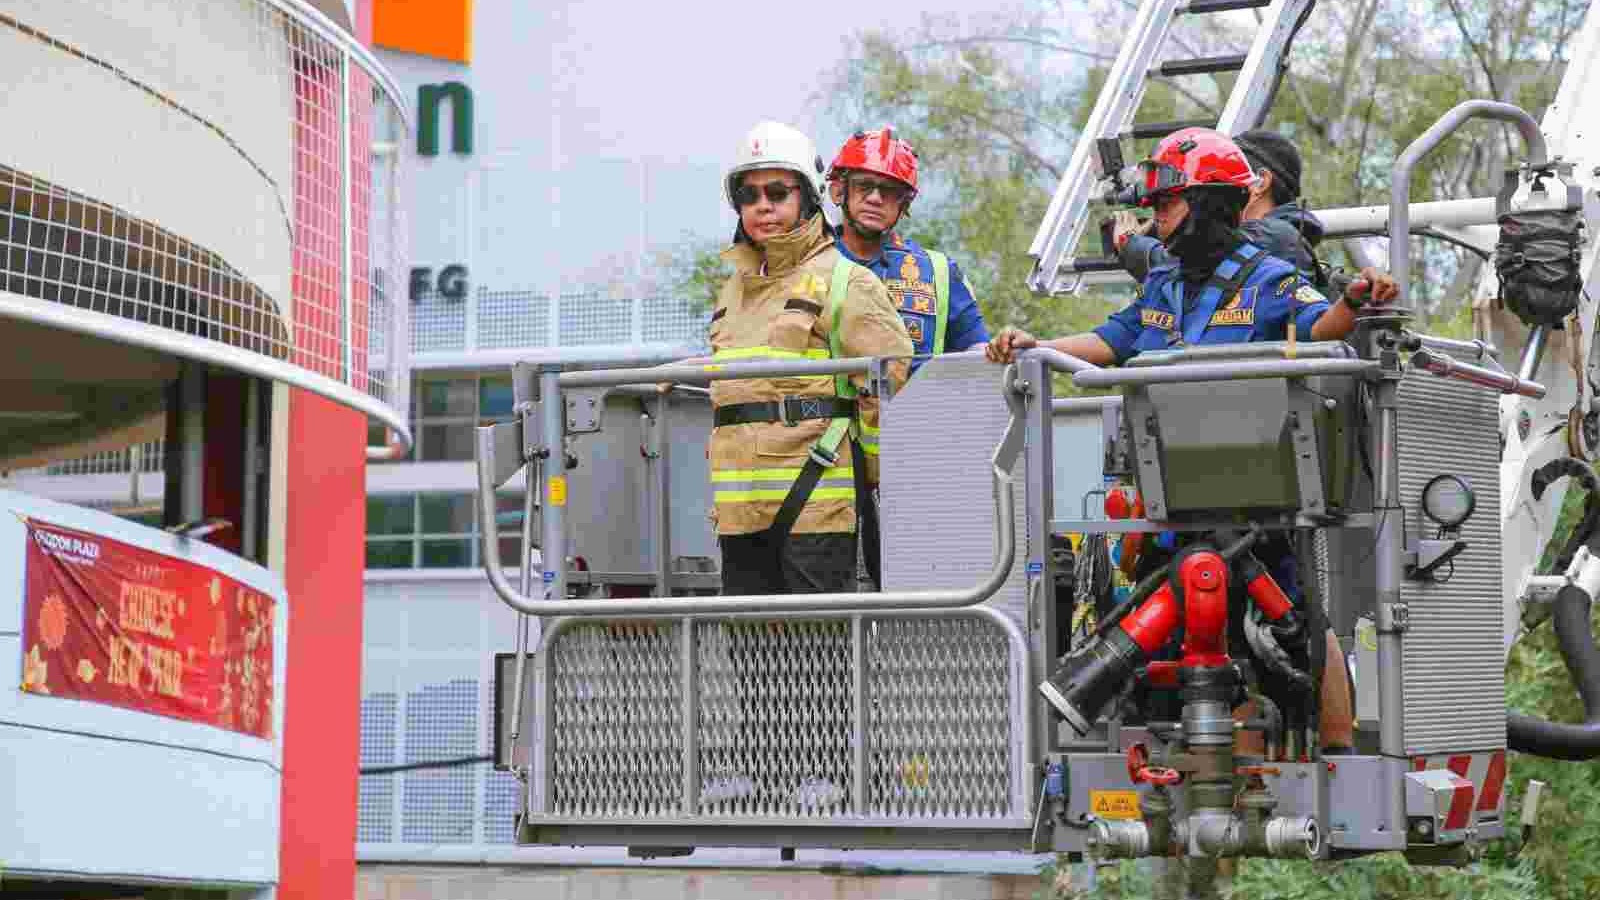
<point>778,731</point>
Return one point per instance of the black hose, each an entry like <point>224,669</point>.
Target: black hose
<point>433,764</point>
<point>1558,740</point>
<point>1575,639</point>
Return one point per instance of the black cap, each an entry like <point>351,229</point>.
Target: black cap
<point>1275,153</point>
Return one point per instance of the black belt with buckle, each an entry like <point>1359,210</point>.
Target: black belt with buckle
<point>789,410</point>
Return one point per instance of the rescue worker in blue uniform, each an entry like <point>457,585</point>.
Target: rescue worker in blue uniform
<point>873,180</point>
<point>1218,288</point>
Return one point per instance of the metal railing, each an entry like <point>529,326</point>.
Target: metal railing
<point>502,450</point>
<point>902,719</point>
<point>502,319</point>
<point>298,282</point>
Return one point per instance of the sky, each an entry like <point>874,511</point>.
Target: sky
<point>603,126</point>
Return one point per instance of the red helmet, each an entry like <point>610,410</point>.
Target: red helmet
<point>880,153</point>
<point>1190,158</point>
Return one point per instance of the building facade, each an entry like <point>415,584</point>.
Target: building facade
<point>200,279</point>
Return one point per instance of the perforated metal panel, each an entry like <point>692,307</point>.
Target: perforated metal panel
<point>1454,663</point>
<point>937,496</point>
<point>437,805</point>
<point>673,320</point>
<point>438,324</point>
<point>375,804</point>
<point>512,319</point>
<point>502,793</point>
<point>591,319</point>
<point>788,712</point>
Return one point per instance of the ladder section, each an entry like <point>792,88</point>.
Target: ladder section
<point>1056,270</point>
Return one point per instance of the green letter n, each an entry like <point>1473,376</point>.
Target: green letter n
<point>428,97</point>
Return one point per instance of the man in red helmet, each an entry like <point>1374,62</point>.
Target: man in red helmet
<point>1218,288</point>
<point>873,179</point>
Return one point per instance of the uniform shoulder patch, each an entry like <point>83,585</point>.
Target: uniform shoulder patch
<point>1305,295</point>
<point>1286,284</point>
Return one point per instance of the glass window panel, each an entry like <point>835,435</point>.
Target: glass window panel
<point>508,510</point>
<point>510,552</point>
<point>494,398</point>
<point>389,554</point>
<point>390,514</point>
<point>443,443</point>
<point>446,513</point>
<point>447,554</point>
<point>457,397</point>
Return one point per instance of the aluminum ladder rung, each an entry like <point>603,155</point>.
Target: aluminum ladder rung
<point>1155,131</point>
<point>1202,65</point>
<point>1203,7</point>
<point>1055,270</point>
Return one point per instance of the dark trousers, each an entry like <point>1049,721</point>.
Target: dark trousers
<point>802,564</point>
<point>867,518</point>
<point>871,541</point>
<point>758,564</point>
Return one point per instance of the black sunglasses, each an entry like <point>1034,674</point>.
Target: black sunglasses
<point>776,191</point>
<point>891,191</point>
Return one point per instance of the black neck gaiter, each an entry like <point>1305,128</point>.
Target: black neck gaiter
<point>1207,235</point>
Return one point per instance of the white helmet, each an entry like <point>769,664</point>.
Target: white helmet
<point>774,145</point>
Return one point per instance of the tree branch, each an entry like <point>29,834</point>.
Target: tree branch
<point>996,128</point>
<point>977,40</point>
<point>1478,51</point>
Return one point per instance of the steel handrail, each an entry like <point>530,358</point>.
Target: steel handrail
<point>1001,462</point>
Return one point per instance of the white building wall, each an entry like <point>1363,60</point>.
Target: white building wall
<point>141,96</point>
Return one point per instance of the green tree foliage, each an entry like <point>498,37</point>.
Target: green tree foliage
<point>694,270</point>
<point>991,111</point>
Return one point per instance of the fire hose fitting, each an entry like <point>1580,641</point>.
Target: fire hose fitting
<point>1118,839</point>
<point>1293,837</point>
<point>1207,833</point>
<point>1087,680</point>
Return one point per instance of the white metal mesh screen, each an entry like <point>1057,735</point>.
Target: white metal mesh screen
<point>616,694</point>
<point>67,248</point>
<point>939,715</point>
<point>379,733</point>
<point>668,319</point>
<point>776,733</point>
<point>437,805</point>
<point>512,319</point>
<point>147,457</point>
<point>305,272</point>
<point>591,319</point>
<point>776,701</point>
<point>438,324</point>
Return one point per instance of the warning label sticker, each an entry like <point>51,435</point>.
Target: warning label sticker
<point>1114,804</point>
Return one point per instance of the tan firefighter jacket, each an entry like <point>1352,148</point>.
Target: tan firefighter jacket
<point>789,310</point>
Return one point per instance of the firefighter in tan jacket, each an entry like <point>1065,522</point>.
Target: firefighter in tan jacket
<point>787,454</point>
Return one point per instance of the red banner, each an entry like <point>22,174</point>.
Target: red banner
<point>113,623</point>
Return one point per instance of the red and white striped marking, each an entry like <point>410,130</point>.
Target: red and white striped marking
<point>1480,784</point>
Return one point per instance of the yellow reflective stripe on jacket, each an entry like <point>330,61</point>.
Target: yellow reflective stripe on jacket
<point>868,438</point>
<point>776,474</point>
<point>769,352</point>
<point>754,485</point>
<point>781,494</point>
